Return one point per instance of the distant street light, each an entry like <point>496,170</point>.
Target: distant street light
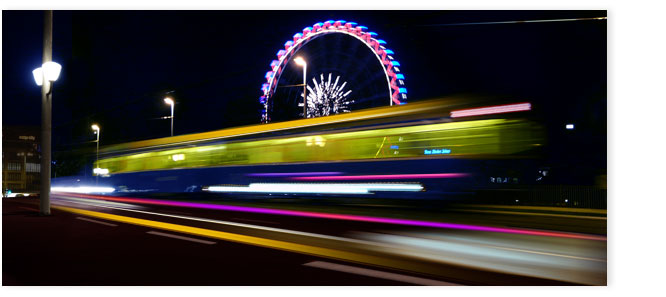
<point>169,101</point>
<point>300,62</point>
<point>98,132</point>
<point>44,77</point>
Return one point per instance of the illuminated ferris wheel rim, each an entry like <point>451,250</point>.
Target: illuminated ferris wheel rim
<point>383,55</point>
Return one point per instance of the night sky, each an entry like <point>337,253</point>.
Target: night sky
<point>118,66</point>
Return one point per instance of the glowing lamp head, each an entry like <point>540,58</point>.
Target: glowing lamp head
<point>299,61</point>
<point>38,75</point>
<point>168,100</point>
<point>95,128</point>
<point>49,70</point>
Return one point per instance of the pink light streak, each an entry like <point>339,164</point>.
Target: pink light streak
<point>342,217</point>
<point>383,176</point>
<point>491,110</point>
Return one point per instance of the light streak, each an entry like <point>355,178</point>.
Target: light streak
<point>317,188</point>
<point>290,188</point>
<point>384,176</point>
<point>491,110</point>
<point>287,174</point>
<point>83,189</point>
<point>245,239</point>
<point>519,22</point>
<point>357,218</point>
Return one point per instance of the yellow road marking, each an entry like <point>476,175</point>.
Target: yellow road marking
<point>257,241</point>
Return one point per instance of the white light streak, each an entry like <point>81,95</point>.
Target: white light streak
<point>83,189</point>
<point>317,188</point>
<point>491,110</point>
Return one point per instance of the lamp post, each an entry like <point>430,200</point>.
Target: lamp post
<point>169,101</point>
<point>44,77</point>
<point>97,131</point>
<point>300,62</point>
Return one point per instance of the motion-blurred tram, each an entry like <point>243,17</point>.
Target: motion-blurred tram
<point>436,149</point>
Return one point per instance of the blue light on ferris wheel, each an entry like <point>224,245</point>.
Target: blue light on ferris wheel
<point>381,41</point>
<point>403,90</point>
<point>395,63</point>
<point>373,34</point>
<point>390,52</point>
<point>399,76</point>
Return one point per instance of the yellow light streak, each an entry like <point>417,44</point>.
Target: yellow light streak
<point>257,241</point>
<point>431,106</point>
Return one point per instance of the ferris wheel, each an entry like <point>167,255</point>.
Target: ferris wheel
<point>338,66</point>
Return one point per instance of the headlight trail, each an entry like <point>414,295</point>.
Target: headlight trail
<point>383,176</point>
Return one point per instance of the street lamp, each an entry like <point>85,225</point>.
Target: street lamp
<point>97,131</point>
<point>50,71</point>
<point>44,77</point>
<point>300,62</point>
<point>169,101</point>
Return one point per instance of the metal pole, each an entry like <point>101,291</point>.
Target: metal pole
<point>305,101</point>
<point>172,118</point>
<point>45,170</point>
<point>99,131</point>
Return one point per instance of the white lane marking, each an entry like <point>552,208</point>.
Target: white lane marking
<point>257,221</point>
<point>246,226</point>
<point>378,274</point>
<point>345,239</point>
<point>181,237</point>
<point>96,221</point>
<point>451,239</point>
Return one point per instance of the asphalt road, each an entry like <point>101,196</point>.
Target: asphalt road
<point>94,242</point>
